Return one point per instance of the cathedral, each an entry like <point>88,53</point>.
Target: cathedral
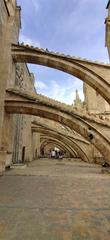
<point>27,133</point>
<point>54,157</point>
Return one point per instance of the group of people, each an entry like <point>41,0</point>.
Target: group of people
<point>57,153</point>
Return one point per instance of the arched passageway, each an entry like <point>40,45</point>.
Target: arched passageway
<point>72,144</point>
<point>43,109</point>
<point>48,144</point>
<point>60,142</point>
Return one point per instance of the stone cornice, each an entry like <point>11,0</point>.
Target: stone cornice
<point>23,46</point>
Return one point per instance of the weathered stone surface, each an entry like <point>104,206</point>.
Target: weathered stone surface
<point>19,103</point>
<point>89,123</point>
<point>94,74</point>
<point>48,200</point>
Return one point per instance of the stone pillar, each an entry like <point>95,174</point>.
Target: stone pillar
<point>27,138</point>
<point>5,78</point>
<point>18,138</point>
<point>90,98</point>
<point>2,161</point>
<point>3,82</point>
<point>10,32</point>
<point>36,145</point>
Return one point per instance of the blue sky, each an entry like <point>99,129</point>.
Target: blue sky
<point>74,27</point>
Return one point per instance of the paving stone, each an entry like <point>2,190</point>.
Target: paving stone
<point>50,201</point>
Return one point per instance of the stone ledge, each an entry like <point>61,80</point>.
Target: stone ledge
<point>47,51</point>
<point>105,170</point>
<point>18,165</point>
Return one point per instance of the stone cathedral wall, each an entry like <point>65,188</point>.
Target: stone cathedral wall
<point>13,128</point>
<point>16,138</point>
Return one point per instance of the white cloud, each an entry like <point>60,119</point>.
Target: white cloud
<point>40,85</point>
<point>63,90</point>
<point>61,93</point>
<point>36,5</point>
<point>26,40</point>
<point>74,83</point>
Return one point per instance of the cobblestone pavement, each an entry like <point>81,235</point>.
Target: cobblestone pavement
<point>55,200</point>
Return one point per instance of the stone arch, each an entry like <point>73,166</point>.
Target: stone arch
<point>71,143</point>
<point>94,74</point>
<point>65,117</point>
<point>61,144</point>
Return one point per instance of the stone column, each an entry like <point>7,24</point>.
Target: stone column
<point>3,82</point>
<point>90,98</point>
<point>36,145</point>
<point>6,79</point>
